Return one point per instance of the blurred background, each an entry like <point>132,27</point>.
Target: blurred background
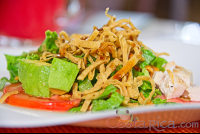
<point>26,21</point>
<point>184,10</point>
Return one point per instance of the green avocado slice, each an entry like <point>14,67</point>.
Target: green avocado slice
<point>34,75</point>
<point>62,74</point>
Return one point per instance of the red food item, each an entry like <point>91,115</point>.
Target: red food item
<point>55,103</point>
<point>177,100</point>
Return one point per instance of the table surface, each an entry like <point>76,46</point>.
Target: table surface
<point>152,30</point>
<point>74,129</point>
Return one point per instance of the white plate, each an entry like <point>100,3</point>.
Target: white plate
<point>183,54</point>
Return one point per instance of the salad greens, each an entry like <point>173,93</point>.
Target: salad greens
<point>108,90</point>
<point>75,110</point>
<point>113,102</point>
<point>159,62</point>
<point>148,55</point>
<point>109,99</point>
<point>159,101</point>
<point>49,43</point>
<point>85,84</point>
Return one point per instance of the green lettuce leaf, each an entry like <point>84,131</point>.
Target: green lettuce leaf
<point>49,43</point>
<point>108,90</point>
<point>133,101</point>
<point>3,82</point>
<point>13,65</point>
<point>113,102</point>
<point>75,110</point>
<point>159,101</point>
<point>85,84</point>
<point>148,55</point>
<point>33,56</point>
<point>159,63</point>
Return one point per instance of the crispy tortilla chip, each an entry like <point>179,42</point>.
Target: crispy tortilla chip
<point>85,105</point>
<point>85,44</point>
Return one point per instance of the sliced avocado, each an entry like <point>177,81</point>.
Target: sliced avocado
<point>85,84</point>
<point>23,67</point>
<point>62,74</point>
<point>43,81</point>
<point>31,81</point>
<point>33,75</point>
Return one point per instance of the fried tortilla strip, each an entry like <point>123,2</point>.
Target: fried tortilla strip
<point>75,60</point>
<point>109,69</point>
<point>94,95</point>
<point>111,35</point>
<point>126,101</point>
<point>93,35</point>
<point>71,57</point>
<point>64,34</point>
<point>159,54</point>
<point>75,92</point>
<point>112,18</point>
<point>124,26</point>
<point>130,88</point>
<point>127,67</point>
<point>86,51</point>
<point>46,56</point>
<point>90,68</point>
<point>135,32</point>
<point>135,91</point>
<point>115,24</point>
<point>85,106</point>
<point>124,46</point>
<point>85,44</point>
<point>132,26</point>
<point>80,36</point>
<point>108,46</point>
<point>91,73</point>
<point>5,96</point>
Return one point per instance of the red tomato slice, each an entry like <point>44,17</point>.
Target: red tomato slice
<point>177,100</point>
<point>24,100</point>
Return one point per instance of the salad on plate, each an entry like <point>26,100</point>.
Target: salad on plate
<point>107,69</point>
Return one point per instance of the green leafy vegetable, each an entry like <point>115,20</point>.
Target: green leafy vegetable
<point>147,92</point>
<point>133,101</point>
<point>3,82</point>
<point>159,101</point>
<point>75,110</point>
<point>146,85</point>
<point>143,73</point>
<point>49,43</point>
<point>85,84</point>
<point>158,92</point>
<point>12,66</point>
<point>108,90</point>
<point>159,62</point>
<point>33,57</point>
<point>113,102</point>
<point>148,55</point>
